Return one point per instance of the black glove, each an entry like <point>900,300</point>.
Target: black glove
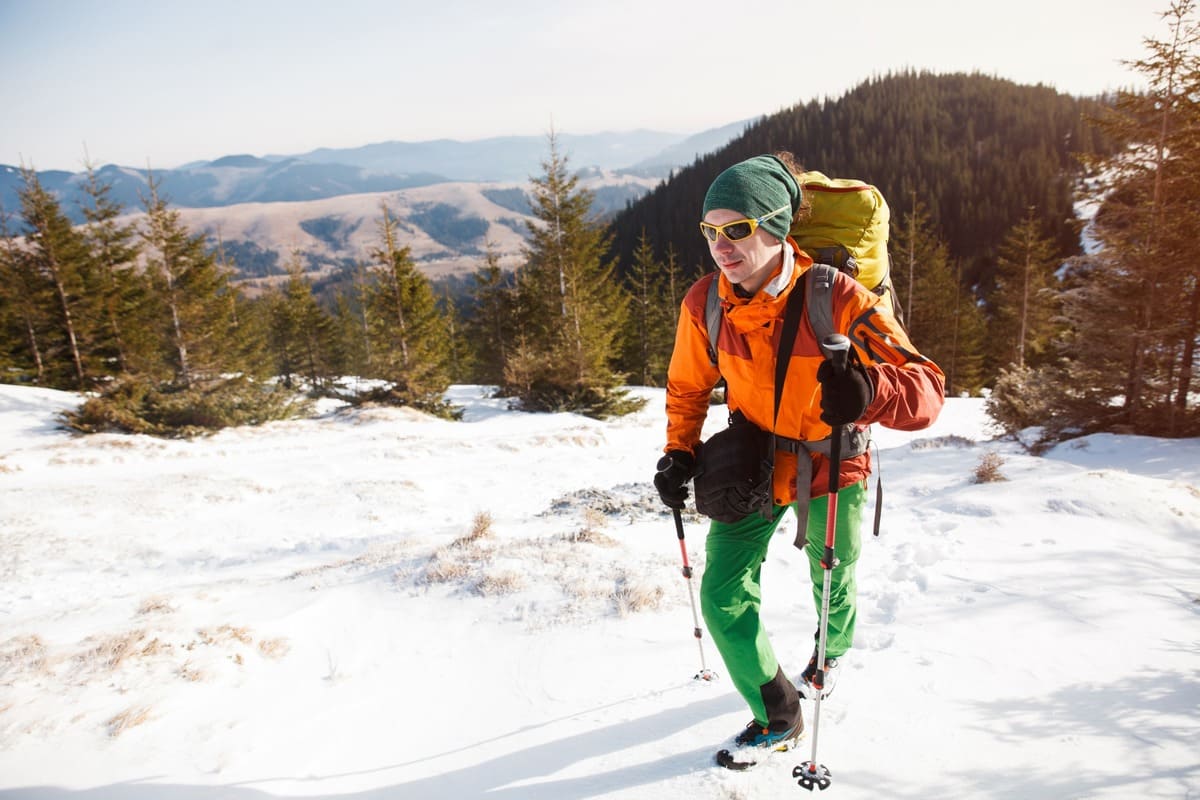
<point>845,397</point>
<point>675,469</point>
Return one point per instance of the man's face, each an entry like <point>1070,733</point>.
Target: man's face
<point>748,261</point>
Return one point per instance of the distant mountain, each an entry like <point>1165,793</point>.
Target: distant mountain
<point>447,226</point>
<point>226,181</point>
<point>687,151</point>
<point>381,167</point>
<point>451,198</point>
<point>506,158</point>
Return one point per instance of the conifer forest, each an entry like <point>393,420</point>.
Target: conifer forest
<point>1040,251</point>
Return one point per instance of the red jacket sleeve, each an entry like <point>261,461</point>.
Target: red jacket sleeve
<point>909,388</point>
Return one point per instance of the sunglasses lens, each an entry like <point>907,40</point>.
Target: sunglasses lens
<point>709,231</point>
<point>738,231</point>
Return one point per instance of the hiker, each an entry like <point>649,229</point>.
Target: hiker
<point>747,214</point>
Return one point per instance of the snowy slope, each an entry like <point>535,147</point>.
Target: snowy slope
<point>302,610</point>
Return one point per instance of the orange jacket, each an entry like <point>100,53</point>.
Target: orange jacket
<point>908,387</point>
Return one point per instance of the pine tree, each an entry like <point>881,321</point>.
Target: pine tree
<point>460,355</point>
<point>492,328</point>
<point>25,302</point>
<point>913,243</point>
<point>122,291</point>
<point>210,346</point>
<point>573,311</point>
<point>200,312</point>
<point>965,371</point>
<point>677,284</point>
<point>1023,301</point>
<point>301,332</point>
<point>58,255</point>
<point>410,348</point>
<point>1133,306</point>
<point>941,317</point>
<point>351,325</point>
<point>653,311</point>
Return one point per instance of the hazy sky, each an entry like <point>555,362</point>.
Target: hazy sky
<point>167,82</point>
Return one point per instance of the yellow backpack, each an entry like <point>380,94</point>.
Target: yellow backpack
<point>848,230</point>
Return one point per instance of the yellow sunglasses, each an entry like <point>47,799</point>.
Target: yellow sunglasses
<point>740,228</point>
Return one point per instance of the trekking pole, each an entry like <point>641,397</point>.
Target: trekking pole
<point>811,774</point>
<point>705,674</point>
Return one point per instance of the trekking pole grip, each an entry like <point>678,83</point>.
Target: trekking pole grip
<point>837,350</point>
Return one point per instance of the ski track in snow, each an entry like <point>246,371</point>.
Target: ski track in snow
<point>301,610</point>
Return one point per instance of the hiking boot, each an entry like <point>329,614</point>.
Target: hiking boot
<point>756,734</point>
<point>808,688</point>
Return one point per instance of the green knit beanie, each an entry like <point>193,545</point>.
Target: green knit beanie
<point>756,187</point>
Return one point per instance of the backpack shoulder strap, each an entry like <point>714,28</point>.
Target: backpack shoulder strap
<point>820,300</point>
<point>713,315</point>
<point>819,308</point>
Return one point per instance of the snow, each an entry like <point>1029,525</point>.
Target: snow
<point>284,612</point>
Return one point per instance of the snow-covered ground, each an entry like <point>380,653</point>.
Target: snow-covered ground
<point>377,604</point>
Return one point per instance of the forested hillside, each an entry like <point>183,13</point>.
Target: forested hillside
<point>983,177</point>
<point>976,152</point>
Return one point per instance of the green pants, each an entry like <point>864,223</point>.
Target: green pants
<point>731,596</point>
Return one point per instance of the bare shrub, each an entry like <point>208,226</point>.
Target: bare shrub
<point>988,469</point>
<point>129,718</point>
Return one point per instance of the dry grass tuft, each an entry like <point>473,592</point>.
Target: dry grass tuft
<point>500,583</point>
<point>155,605</point>
<point>589,589</point>
<point>274,649</point>
<point>156,647</point>
<point>939,442</point>
<point>590,533</point>
<point>129,718</point>
<point>443,568</point>
<point>23,654</point>
<point>112,651</point>
<point>589,536</point>
<point>988,469</point>
<point>191,673</point>
<point>223,634</point>
<point>632,598</point>
<point>481,529</point>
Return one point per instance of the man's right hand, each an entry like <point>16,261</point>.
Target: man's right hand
<point>675,469</point>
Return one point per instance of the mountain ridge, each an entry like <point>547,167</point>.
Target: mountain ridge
<point>377,167</point>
